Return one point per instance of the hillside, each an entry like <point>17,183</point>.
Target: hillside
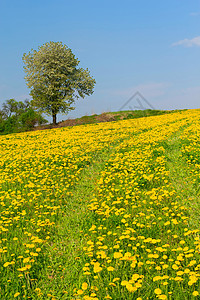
<point>104,211</point>
<point>107,117</point>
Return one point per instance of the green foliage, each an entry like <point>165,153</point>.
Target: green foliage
<point>30,118</point>
<point>18,116</point>
<point>11,125</point>
<point>55,80</point>
<point>9,107</point>
<point>12,107</point>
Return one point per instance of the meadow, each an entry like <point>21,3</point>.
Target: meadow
<point>102,211</point>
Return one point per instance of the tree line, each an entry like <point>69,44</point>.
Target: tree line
<point>19,116</point>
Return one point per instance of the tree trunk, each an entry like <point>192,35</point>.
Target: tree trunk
<point>54,118</point>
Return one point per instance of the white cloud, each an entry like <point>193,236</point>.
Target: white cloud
<point>188,42</point>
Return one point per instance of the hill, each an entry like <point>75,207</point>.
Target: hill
<point>107,117</point>
<point>102,211</point>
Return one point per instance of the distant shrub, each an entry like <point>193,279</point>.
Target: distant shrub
<point>30,118</point>
<point>10,125</point>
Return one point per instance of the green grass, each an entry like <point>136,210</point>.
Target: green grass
<point>180,176</point>
<point>127,186</point>
<point>66,252</point>
<point>110,117</point>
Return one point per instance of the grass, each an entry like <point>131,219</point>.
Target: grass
<point>180,176</point>
<point>102,211</point>
<point>69,239</point>
<point>108,117</point>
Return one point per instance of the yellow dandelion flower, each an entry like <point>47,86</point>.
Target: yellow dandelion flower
<point>6,264</point>
<point>84,286</point>
<point>124,282</point>
<point>163,297</point>
<point>25,260</point>
<point>175,267</point>
<point>110,269</point>
<point>108,297</point>
<point>97,267</point>
<point>157,291</point>
<point>157,278</point>
<point>117,255</point>
<point>131,288</point>
<point>79,292</point>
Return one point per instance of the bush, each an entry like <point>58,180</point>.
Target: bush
<point>11,125</point>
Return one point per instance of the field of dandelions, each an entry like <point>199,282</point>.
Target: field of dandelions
<point>102,211</point>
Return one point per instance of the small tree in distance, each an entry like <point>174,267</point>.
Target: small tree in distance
<point>55,80</point>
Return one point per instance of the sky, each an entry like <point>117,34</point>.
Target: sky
<point>150,47</point>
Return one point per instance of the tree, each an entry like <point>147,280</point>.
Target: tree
<point>55,80</point>
<point>10,107</point>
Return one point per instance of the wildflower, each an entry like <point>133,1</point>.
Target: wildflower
<point>175,267</point>
<point>6,264</point>
<point>97,267</point>
<point>110,269</point>
<point>117,255</point>
<point>84,286</point>
<point>163,297</point>
<point>157,291</point>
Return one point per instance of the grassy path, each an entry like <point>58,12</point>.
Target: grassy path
<point>67,249</point>
<point>180,177</point>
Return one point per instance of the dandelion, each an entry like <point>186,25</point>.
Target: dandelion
<point>6,264</point>
<point>163,297</point>
<point>118,255</point>
<point>175,267</point>
<point>157,291</point>
<point>97,267</point>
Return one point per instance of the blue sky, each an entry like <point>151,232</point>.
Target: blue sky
<point>148,46</point>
